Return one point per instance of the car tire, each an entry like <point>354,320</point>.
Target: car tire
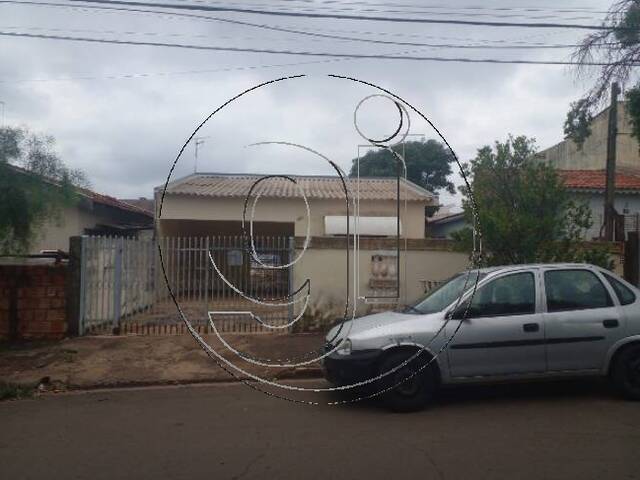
<point>415,392</point>
<point>626,372</point>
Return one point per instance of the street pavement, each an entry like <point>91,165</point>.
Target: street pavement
<point>229,431</point>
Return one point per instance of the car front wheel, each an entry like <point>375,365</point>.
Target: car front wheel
<point>410,387</point>
<point>626,372</point>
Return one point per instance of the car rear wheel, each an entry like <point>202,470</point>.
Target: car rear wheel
<point>411,386</point>
<point>626,372</point>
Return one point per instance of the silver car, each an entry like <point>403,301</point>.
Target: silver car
<point>495,324</point>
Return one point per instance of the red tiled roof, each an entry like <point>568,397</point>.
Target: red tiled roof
<point>96,197</point>
<point>112,202</point>
<point>141,202</point>
<point>596,180</point>
<point>239,185</point>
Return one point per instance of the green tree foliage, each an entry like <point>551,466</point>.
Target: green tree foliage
<point>428,164</point>
<point>617,47</point>
<point>524,212</point>
<point>34,187</point>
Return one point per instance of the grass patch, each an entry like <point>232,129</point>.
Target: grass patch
<point>12,391</point>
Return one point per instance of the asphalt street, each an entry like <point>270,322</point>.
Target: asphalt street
<point>228,431</point>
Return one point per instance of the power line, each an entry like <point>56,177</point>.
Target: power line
<point>305,53</point>
<point>302,32</point>
<point>343,7</point>
<point>166,74</point>
<point>312,33</point>
<point>27,2</point>
<point>91,8</point>
<point>460,7</point>
<point>336,16</point>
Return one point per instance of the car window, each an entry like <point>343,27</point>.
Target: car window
<point>508,295</point>
<point>625,294</point>
<point>447,293</point>
<point>574,290</point>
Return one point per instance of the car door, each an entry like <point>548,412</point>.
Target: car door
<point>503,332</point>
<point>581,321</point>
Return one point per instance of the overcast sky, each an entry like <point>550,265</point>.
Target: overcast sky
<point>122,112</point>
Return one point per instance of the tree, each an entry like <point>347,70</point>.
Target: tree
<point>524,212</point>
<point>617,46</point>
<point>428,164</point>
<point>34,187</point>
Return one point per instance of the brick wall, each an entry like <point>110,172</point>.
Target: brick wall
<point>32,299</point>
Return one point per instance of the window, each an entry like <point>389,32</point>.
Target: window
<point>574,290</point>
<point>447,293</point>
<point>366,226</point>
<point>509,295</point>
<point>624,294</point>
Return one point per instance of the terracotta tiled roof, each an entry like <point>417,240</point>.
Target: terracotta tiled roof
<point>596,180</point>
<point>113,202</point>
<point>96,197</point>
<point>145,204</point>
<point>325,187</point>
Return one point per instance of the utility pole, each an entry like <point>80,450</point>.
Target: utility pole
<point>610,188</point>
<point>197,141</point>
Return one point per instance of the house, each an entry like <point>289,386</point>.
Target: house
<point>445,221</point>
<point>588,186</point>
<point>203,212</point>
<point>584,169</point>
<point>141,202</point>
<point>91,214</point>
<point>205,204</point>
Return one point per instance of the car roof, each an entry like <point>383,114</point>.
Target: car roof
<point>523,266</point>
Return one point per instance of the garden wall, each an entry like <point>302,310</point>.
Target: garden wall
<point>32,298</point>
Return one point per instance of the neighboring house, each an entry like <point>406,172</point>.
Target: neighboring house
<point>588,186</point>
<point>205,204</point>
<point>140,202</point>
<point>446,221</point>
<point>92,214</point>
<point>584,169</point>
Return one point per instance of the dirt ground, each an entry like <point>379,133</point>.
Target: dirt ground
<point>107,361</point>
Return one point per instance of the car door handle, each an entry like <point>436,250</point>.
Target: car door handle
<point>531,327</point>
<point>610,323</point>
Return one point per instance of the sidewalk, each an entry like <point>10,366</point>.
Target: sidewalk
<point>111,361</point>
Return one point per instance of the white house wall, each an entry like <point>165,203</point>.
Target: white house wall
<point>288,210</point>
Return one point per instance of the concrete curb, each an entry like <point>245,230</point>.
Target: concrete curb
<point>47,385</point>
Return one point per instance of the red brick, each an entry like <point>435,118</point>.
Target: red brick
<point>31,292</point>
<point>37,315</point>
<point>57,302</point>
<point>25,303</point>
<point>39,326</point>
<point>56,315</point>
<point>55,291</point>
<point>58,327</point>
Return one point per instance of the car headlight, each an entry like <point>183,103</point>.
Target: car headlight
<point>344,348</point>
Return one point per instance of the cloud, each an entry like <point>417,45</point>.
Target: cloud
<point>125,132</point>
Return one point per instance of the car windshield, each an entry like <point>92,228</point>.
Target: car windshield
<point>447,293</point>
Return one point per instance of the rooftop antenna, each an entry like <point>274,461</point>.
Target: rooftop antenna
<point>197,142</point>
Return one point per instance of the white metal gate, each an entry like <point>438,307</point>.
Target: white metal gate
<point>124,289</point>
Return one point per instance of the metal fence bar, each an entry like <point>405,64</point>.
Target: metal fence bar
<point>83,280</point>
<point>118,247</point>
<point>123,284</point>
